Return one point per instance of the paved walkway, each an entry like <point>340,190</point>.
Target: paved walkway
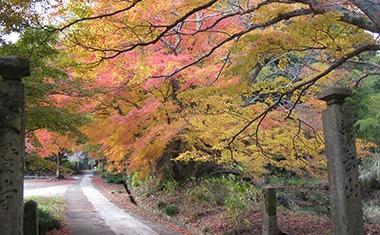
<point>90,213</point>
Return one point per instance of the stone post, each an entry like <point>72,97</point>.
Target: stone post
<point>342,164</point>
<point>269,211</point>
<point>12,143</point>
<point>30,226</point>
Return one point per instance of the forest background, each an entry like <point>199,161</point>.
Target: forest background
<point>182,90</point>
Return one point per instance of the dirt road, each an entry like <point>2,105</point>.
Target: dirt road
<point>88,212</point>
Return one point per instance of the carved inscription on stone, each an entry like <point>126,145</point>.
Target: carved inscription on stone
<point>347,141</point>
<point>8,154</point>
<point>349,160</point>
<point>351,189</point>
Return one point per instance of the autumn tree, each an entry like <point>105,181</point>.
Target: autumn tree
<point>17,16</point>
<point>220,78</point>
<point>51,96</point>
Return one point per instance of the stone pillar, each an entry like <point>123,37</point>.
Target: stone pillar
<point>30,226</point>
<point>12,143</point>
<point>269,211</point>
<point>342,164</point>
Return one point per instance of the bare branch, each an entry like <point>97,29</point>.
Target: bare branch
<point>134,3</point>
<point>305,85</point>
<point>278,18</point>
<point>365,76</point>
<point>221,69</point>
<point>346,15</point>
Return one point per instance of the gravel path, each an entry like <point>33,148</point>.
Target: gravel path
<point>90,213</point>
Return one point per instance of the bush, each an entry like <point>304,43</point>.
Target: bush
<point>119,180</point>
<point>171,210</point>
<point>146,187</point>
<point>46,221</point>
<point>211,190</point>
<point>170,186</point>
<point>105,174</point>
<point>133,180</point>
<point>70,166</point>
<point>306,197</point>
<point>115,178</point>
<point>50,212</point>
<point>236,195</point>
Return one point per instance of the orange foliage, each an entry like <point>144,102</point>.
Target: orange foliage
<point>50,143</point>
<point>165,75</point>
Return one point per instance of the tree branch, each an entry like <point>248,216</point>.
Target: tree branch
<point>305,85</point>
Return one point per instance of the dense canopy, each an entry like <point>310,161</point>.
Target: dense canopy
<point>227,82</point>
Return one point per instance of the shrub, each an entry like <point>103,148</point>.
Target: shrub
<point>210,190</point>
<point>306,197</point>
<point>105,174</point>
<point>236,195</point>
<point>170,186</point>
<point>115,178</point>
<point>50,212</point>
<point>133,178</point>
<point>119,180</point>
<point>171,210</point>
<point>69,166</point>
<point>46,221</point>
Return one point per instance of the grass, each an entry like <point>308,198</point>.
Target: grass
<point>50,212</point>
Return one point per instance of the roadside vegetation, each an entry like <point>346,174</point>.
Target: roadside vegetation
<point>231,204</point>
<point>50,212</point>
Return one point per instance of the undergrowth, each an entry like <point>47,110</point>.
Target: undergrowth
<point>370,182</point>
<point>50,212</point>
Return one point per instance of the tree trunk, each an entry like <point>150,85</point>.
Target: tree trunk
<point>58,173</point>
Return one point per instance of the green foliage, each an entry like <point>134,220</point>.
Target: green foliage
<point>236,195</point>
<point>171,210</point>
<point>49,88</point>
<point>46,221</point>
<point>34,164</point>
<point>105,174</point>
<point>50,212</point>
<point>365,103</point>
<point>71,166</point>
<point>290,180</point>
<point>170,186</point>
<point>308,197</point>
<point>147,187</point>
<point>115,178</point>
<point>133,179</point>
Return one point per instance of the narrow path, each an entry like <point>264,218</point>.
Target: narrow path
<point>88,212</point>
<point>118,220</point>
<point>81,215</point>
